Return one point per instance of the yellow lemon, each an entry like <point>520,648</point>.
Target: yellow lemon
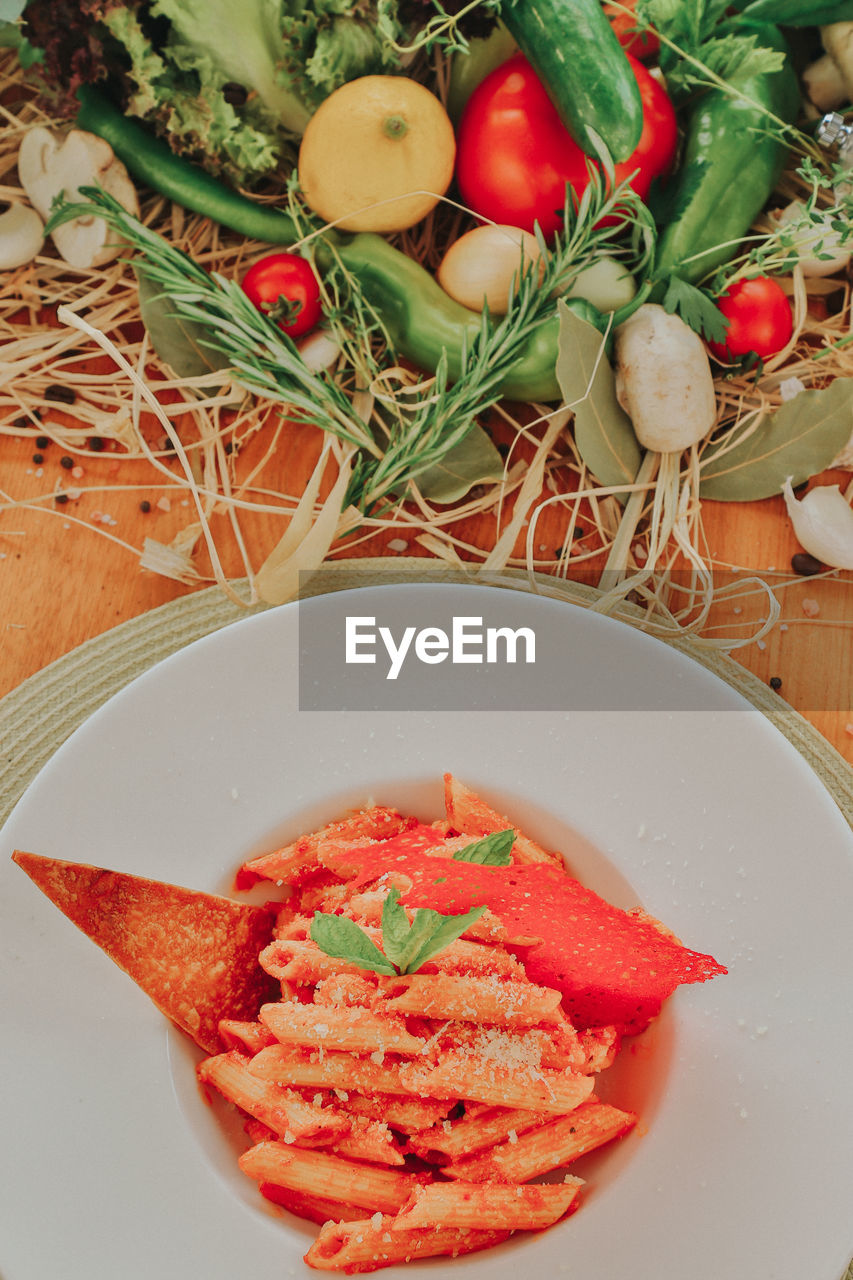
<point>377,154</point>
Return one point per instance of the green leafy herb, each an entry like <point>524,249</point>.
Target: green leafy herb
<point>342,938</point>
<point>604,435</point>
<point>696,309</point>
<point>181,344</point>
<point>408,944</point>
<point>800,439</point>
<point>475,460</point>
<point>701,47</point>
<point>492,851</point>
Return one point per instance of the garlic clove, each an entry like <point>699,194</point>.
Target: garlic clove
<point>320,350</point>
<point>21,236</point>
<point>823,524</point>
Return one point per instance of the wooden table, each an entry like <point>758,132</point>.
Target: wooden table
<point>63,582</point>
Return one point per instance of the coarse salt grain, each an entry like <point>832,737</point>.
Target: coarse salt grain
<point>163,504</point>
<point>78,473</point>
<point>376,1221</point>
<point>810,607</point>
<point>398,544</point>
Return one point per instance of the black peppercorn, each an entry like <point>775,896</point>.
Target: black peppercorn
<point>61,394</point>
<point>805,565</point>
<point>775,682</point>
<point>145,505</point>
<point>38,459</point>
<point>42,442</point>
<point>66,462</point>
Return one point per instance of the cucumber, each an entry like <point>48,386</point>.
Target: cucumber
<point>574,51</point>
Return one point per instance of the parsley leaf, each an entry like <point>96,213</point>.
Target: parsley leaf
<point>491,851</point>
<point>696,309</point>
<point>408,944</point>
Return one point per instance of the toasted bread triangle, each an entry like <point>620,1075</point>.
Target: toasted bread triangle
<point>194,954</point>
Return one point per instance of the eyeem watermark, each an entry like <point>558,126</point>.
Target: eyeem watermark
<point>468,641</point>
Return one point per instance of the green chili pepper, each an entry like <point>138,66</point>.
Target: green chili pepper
<point>424,321</point>
<point>733,157</point>
<point>151,160</point>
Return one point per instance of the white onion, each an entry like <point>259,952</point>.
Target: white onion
<point>479,267</point>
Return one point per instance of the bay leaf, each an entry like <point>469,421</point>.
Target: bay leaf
<point>475,460</point>
<point>179,343</point>
<point>603,432</point>
<point>799,440</point>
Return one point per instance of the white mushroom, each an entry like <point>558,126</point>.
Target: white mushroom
<point>49,165</point>
<point>663,380</point>
<point>21,236</point>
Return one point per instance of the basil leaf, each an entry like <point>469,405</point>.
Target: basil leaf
<point>343,939</point>
<point>447,931</point>
<point>491,851</point>
<point>401,939</point>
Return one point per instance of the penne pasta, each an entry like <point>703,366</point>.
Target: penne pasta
<point>376,1242</point>
<point>320,1174</point>
<point>333,1027</point>
<point>481,1079</point>
<point>317,1209</point>
<point>405,1114</point>
<point>245,1037</point>
<point>550,1146</point>
<point>500,1002</point>
<point>488,1205</point>
<point>288,864</point>
<point>285,1064</point>
<point>366,1139</point>
<point>282,1110</point>
<point>469,1134</point>
<point>410,1115</point>
<point>467,813</point>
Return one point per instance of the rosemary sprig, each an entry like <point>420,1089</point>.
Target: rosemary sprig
<point>262,358</point>
<point>400,443</point>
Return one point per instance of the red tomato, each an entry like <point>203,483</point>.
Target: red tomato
<point>514,156</point>
<point>642,44</point>
<point>760,319</point>
<point>284,286</point>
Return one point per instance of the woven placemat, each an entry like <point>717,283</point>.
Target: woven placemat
<point>41,713</point>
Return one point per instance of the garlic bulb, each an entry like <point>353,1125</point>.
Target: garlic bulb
<point>823,524</point>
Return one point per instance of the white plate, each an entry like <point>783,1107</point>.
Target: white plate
<point>743,1164</point>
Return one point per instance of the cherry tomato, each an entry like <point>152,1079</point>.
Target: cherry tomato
<point>642,44</point>
<point>514,156</point>
<point>285,287</point>
<point>759,316</point>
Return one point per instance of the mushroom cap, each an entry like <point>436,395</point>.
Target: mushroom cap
<point>49,165</point>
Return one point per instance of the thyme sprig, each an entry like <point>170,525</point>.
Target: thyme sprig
<point>401,443</point>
